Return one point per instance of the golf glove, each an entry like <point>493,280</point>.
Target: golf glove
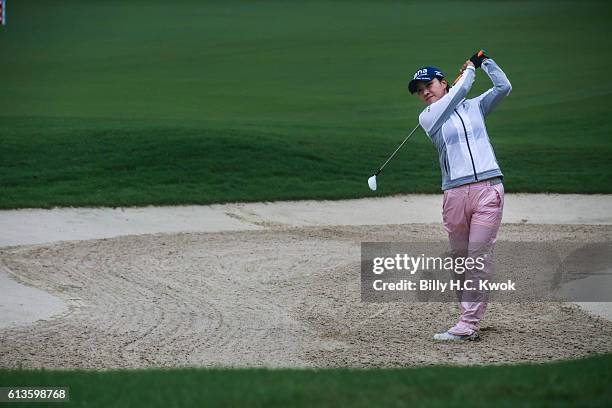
<point>478,58</point>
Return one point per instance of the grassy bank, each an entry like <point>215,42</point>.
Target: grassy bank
<point>573,383</point>
<point>133,103</point>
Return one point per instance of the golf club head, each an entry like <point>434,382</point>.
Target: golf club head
<point>372,183</point>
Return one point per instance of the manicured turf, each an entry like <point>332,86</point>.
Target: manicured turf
<point>151,102</point>
<point>574,383</point>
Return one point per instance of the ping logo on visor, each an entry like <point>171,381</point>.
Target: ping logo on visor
<point>419,73</point>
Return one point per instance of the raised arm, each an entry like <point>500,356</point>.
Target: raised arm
<point>501,87</point>
<point>434,116</point>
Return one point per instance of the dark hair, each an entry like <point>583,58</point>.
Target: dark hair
<point>448,87</point>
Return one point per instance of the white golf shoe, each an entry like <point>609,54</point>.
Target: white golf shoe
<point>446,336</point>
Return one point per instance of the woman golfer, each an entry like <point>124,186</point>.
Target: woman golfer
<point>471,177</point>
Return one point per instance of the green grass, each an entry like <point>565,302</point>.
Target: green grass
<point>121,103</point>
<point>572,383</point>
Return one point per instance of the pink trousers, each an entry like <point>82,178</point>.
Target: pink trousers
<point>472,215</point>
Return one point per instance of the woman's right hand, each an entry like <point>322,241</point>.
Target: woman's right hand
<point>465,65</point>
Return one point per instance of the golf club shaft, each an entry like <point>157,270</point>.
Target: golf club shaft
<point>398,147</point>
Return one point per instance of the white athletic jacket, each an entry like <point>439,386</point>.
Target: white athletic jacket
<point>456,127</point>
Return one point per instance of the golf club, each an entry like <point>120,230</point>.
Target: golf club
<point>372,180</point>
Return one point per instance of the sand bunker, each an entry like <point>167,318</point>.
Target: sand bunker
<point>284,297</point>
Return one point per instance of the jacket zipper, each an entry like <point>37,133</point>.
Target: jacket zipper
<point>468,144</point>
